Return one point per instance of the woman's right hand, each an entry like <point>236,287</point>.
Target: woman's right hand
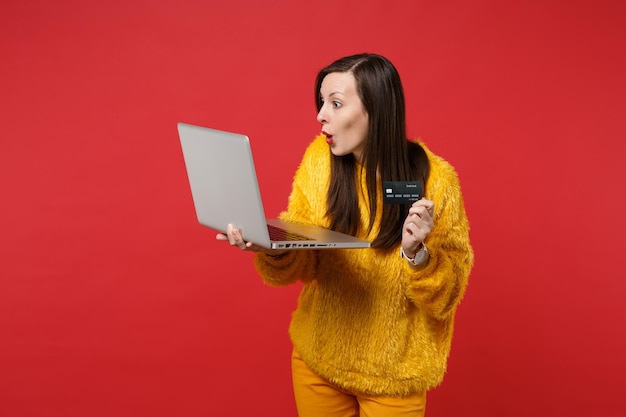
<point>234,237</point>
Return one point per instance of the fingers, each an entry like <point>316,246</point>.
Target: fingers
<point>423,206</point>
<point>234,237</point>
<point>416,229</point>
<point>419,221</point>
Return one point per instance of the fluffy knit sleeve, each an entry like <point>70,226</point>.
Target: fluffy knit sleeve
<point>440,285</point>
<point>307,205</point>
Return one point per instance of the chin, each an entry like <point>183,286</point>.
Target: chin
<point>338,153</point>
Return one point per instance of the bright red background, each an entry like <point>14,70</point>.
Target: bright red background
<point>115,302</point>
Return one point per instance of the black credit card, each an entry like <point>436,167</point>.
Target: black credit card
<point>401,192</point>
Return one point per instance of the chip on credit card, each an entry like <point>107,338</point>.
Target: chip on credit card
<point>401,192</point>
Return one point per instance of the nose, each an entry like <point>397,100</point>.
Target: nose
<point>321,115</point>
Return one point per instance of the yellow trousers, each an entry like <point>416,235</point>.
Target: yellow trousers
<point>316,397</point>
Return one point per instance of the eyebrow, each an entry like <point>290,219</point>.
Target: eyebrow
<point>334,93</point>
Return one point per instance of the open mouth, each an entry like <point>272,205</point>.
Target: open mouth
<point>329,138</point>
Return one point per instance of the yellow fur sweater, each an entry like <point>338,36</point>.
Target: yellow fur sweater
<point>365,320</point>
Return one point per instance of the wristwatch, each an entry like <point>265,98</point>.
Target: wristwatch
<point>420,255</point>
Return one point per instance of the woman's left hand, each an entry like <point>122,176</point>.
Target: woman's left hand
<point>417,225</point>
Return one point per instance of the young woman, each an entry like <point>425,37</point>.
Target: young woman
<point>373,327</point>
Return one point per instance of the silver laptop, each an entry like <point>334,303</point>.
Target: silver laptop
<point>225,190</point>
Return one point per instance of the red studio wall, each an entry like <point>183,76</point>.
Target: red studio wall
<point>114,301</point>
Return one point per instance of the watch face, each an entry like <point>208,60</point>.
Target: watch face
<point>420,256</point>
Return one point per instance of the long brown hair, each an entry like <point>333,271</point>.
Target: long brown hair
<point>387,150</point>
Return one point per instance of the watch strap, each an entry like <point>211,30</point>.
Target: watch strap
<point>419,257</point>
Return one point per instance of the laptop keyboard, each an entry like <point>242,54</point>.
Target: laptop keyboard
<point>276,233</point>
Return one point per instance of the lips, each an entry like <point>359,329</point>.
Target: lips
<point>329,138</point>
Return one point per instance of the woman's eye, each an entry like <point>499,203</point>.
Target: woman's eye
<point>336,104</point>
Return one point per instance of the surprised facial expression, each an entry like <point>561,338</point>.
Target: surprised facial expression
<point>342,115</point>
